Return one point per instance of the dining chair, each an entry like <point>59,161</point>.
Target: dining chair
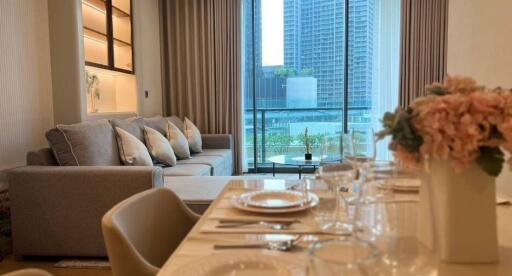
<point>142,231</point>
<point>28,272</point>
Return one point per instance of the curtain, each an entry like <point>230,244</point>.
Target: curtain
<point>423,46</point>
<point>385,69</point>
<point>201,65</point>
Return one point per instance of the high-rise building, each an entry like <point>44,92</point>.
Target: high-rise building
<point>314,40</point>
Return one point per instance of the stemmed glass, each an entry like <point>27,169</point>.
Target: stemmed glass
<point>337,176</point>
<point>359,148</point>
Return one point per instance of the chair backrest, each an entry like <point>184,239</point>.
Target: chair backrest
<point>28,272</point>
<point>142,231</point>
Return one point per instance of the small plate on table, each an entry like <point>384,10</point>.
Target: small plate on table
<point>274,201</point>
<point>243,264</point>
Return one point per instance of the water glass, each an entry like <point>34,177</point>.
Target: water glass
<point>351,257</point>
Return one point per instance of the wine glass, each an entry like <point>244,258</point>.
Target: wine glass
<point>359,148</point>
<point>337,176</point>
<point>343,257</point>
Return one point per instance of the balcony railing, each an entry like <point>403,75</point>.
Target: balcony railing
<point>281,130</point>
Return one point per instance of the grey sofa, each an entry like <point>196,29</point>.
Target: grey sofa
<point>57,210</point>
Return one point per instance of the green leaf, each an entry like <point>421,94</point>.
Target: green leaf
<point>491,160</point>
<point>437,90</point>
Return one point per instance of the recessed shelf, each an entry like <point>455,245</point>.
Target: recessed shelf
<point>107,32</point>
<point>101,36</point>
<point>99,5</point>
<point>119,12</point>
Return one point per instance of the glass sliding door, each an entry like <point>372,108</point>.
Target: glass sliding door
<point>297,74</point>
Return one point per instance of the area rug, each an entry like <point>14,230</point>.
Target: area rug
<point>83,264</point>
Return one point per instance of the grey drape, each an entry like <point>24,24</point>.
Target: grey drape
<point>201,64</point>
<point>423,46</point>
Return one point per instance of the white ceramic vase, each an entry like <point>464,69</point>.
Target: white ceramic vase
<point>457,214</point>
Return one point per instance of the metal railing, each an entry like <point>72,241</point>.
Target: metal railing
<point>262,114</point>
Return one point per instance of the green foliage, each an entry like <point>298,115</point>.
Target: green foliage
<point>399,126</point>
<point>437,90</point>
<point>292,72</point>
<point>491,160</point>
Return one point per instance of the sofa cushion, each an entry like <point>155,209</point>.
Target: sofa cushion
<point>227,157</point>
<point>132,151</point>
<point>134,126</point>
<point>188,170</point>
<point>178,141</point>
<point>193,136</point>
<point>177,122</point>
<point>159,147</point>
<point>216,163</point>
<point>84,144</point>
<point>157,123</point>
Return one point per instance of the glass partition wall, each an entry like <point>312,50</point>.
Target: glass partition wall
<point>315,64</point>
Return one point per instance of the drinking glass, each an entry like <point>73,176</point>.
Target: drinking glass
<point>337,176</point>
<point>343,257</point>
<point>391,228</point>
<point>359,148</point>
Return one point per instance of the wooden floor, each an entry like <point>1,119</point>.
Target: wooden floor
<point>10,264</point>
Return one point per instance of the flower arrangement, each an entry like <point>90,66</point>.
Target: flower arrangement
<point>458,121</point>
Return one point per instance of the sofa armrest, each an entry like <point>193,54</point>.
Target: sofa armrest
<point>57,210</point>
<point>217,141</point>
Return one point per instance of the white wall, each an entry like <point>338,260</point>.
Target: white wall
<point>26,110</point>
<point>480,46</point>
<point>147,56</point>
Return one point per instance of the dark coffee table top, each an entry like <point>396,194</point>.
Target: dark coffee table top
<point>300,161</point>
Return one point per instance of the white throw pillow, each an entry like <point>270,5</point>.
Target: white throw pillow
<point>178,141</point>
<point>193,136</point>
<point>159,147</point>
<point>132,151</point>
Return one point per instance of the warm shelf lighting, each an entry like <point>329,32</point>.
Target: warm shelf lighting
<point>93,7</point>
<point>95,39</point>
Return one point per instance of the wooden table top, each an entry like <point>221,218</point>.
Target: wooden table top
<point>416,260</point>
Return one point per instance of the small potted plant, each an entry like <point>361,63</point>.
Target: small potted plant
<point>307,145</point>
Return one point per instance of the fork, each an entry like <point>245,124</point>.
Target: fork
<point>275,225</point>
<point>272,245</point>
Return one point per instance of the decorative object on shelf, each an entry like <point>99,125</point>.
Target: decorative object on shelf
<point>93,91</point>
<point>456,134</point>
<point>307,144</point>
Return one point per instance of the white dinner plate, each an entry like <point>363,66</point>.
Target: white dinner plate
<point>239,203</point>
<point>242,264</point>
<point>273,199</point>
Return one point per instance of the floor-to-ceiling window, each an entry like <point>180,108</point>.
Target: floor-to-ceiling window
<point>298,75</point>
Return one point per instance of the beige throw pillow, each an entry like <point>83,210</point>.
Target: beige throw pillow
<point>159,147</point>
<point>193,136</point>
<point>132,150</point>
<point>178,141</point>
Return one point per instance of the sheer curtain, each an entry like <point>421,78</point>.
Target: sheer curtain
<point>386,62</point>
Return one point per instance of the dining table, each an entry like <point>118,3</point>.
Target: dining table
<point>409,256</point>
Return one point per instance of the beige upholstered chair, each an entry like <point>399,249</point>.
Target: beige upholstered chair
<point>28,272</point>
<point>142,231</point>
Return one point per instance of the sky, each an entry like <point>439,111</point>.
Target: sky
<point>272,32</point>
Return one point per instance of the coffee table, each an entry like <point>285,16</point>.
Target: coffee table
<point>295,160</point>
